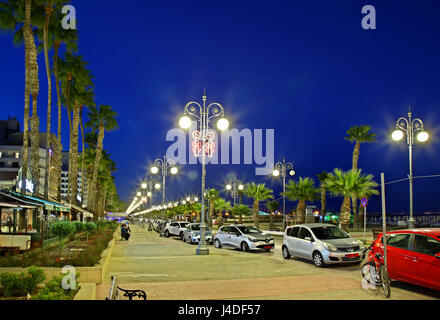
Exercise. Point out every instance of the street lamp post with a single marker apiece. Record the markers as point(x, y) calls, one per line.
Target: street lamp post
point(410, 127)
point(164, 166)
point(283, 167)
point(149, 184)
point(203, 114)
point(234, 186)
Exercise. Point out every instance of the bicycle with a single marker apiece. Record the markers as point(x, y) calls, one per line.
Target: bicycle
point(374, 271)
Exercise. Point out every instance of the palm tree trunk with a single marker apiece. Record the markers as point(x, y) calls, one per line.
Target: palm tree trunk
point(271, 226)
point(35, 121)
point(96, 163)
point(255, 213)
point(323, 202)
point(83, 179)
point(25, 150)
point(355, 168)
point(74, 165)
point(344, 217)
point(60, 147)
point(211, 212)
point(49, 100)
point(301, 212)
point(69, 181)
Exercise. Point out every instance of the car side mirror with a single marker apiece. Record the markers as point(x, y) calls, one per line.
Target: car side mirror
point(437, 255)
point(308, 239)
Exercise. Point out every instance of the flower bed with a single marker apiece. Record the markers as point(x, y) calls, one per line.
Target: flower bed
point(80, 246)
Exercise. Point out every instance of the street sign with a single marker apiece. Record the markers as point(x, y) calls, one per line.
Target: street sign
point(364, 202)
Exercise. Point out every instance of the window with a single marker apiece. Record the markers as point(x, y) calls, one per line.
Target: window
point(248, 229)
point(398, 240)
point(426, 245)
point(234, 230)
point(174, 224)
point(328, 233)
point(304, 233)
point(226, 229)
point(294, 232)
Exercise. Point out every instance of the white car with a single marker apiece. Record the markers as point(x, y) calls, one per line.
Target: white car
point(175, 228)
point(192, 234)
point(322, 243)
point(243, 237)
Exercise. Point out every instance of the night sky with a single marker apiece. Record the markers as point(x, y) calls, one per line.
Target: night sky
point(304, 68)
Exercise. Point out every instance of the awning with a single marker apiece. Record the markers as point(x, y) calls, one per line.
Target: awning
point(10, 201)
point(48, 205)
point(77, 209)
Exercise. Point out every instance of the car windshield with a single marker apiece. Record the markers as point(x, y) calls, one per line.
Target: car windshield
point(183, 225)
point(328, 233)
point(248, 229)
point(195, 227)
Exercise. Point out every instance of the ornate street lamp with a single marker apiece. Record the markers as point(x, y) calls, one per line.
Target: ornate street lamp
point(149, 184)
point(412, 128)
point(234, 186)
point(203, 145)
point(164, 166)
point(282, 168)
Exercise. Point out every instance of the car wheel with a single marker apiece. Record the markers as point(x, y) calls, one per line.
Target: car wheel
point(317, 259)
point(244, 247)
point(286, 254)
point(217, 244)
point(167, 233)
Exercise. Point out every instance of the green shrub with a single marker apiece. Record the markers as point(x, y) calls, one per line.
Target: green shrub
point(62, 229)
point(79, 226)
point(90, 226)
point(18, 285)
point(53, 290)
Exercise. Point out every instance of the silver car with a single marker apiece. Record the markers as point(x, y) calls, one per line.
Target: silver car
point(192, 234)
point(322, 243)
point(243, 237)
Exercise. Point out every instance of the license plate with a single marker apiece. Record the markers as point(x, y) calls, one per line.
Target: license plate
point(352, 255)
point(267, 247)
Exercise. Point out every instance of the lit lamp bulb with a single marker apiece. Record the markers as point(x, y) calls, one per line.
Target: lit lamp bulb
point(228, 187)
point(185, 122)
point(196, 199)
point(240, 187)
point(223, 124)
point(397, 135)
point(157, 186)
point(154, 170)
point(292, 172)
point(188, 198)
point(174, 170)
point(183, 202)
point(423, 136)
point(149, 194)
point(276, 173)
point(144, 185)
point(138, 194)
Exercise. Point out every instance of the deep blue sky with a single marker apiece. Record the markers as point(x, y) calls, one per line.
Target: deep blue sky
point(305, 68)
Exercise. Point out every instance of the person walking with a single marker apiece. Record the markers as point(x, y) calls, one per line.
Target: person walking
point(125, 232)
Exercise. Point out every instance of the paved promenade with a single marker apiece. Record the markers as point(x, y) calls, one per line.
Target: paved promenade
point(168, 269)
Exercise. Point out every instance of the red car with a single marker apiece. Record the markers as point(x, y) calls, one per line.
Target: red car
point(413, 256)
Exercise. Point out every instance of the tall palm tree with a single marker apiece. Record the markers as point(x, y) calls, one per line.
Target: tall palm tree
point(349, 184)
point(322, 177)
point(101, 119)
point(272, 206)
point(221, 206)
point(258, 192)
point(303, 190)
point(15, 17)
point(358, 135)
point(240, 211)
point(211, 195)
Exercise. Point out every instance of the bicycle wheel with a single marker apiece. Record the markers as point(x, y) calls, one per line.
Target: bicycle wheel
point(385, 281)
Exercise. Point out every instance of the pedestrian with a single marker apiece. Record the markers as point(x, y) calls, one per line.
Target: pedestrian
point(125, 232)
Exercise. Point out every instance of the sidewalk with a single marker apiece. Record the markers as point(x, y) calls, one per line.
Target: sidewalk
point(168, 269)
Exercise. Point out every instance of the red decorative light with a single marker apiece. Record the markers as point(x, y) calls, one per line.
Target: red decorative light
point(197, 144)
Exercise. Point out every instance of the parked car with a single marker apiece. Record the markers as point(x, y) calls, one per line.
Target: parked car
point(175, 228)
point(413, 256)
point(192, 234)
point(243, 237)
point(322, 243)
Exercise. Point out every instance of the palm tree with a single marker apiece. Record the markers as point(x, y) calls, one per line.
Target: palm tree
point(258, 193)
point(221, 205)
point(304, 190)
point(16, 17)
point(211, 195)
point(240, 211)
point(348, 185)
point(358, 135)
point(322, 177)
point(272, 206)
point(101, 119)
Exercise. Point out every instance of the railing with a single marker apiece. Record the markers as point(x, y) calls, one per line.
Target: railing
point(114, 292)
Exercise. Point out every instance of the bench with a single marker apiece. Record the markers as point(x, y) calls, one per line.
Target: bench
point(114, 292)
point(15, 242)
